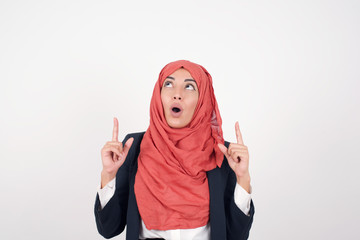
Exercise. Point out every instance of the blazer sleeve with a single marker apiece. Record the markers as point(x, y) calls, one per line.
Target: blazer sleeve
point(111, 220)
point(237, 223)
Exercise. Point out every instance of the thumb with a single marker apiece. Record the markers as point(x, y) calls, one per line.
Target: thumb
point(223, 149)
point(127, 146)
point(125, 151)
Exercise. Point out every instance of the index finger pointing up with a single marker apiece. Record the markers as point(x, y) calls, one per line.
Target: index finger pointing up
point(115, 130)
point(238, 134)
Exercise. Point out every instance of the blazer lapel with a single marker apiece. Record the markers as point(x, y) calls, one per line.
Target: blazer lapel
point(133, 216)
point(217, 211)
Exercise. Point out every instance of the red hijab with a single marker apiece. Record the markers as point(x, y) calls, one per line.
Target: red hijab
point(171, 185)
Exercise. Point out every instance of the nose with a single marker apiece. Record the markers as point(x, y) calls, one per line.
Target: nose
point(177, 94)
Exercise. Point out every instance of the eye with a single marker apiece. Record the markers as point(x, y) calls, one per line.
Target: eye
point(167, 84)
point(190, 87)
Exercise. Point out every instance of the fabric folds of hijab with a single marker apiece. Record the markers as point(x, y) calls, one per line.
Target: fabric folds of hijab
point(171, 185)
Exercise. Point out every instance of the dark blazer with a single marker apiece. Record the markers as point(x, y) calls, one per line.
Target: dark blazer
point(227, 221)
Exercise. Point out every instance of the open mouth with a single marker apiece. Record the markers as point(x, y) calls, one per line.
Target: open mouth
point(175, 109)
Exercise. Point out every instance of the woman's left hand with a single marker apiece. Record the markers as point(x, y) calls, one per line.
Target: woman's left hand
point(238, 158)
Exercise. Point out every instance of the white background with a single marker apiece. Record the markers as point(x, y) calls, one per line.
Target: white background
point(288, 71)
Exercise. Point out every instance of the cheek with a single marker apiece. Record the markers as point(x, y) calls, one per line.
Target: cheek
point(193, 102)
point(163, 98)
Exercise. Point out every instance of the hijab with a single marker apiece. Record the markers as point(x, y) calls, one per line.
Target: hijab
point(171, 186)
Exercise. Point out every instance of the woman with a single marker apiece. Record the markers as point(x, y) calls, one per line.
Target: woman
point(179, 179)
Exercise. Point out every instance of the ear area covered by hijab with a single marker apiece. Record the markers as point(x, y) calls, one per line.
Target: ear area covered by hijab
point(171, 186)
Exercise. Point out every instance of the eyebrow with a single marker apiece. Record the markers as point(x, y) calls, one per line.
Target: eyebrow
point(186, 80)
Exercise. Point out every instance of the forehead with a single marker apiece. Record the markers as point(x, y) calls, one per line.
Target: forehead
point(181, 73)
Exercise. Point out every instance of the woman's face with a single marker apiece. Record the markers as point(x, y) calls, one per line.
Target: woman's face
point(179, 96)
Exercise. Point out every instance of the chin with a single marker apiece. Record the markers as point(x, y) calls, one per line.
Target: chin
point(176, 124)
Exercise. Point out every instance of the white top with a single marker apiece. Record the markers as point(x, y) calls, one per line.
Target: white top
point(241, 197)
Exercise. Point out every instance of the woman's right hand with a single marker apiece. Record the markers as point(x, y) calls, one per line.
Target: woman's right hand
point(113, 155)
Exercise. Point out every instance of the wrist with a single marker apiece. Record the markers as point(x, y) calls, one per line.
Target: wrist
point(244, 181)
point(106, 178)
